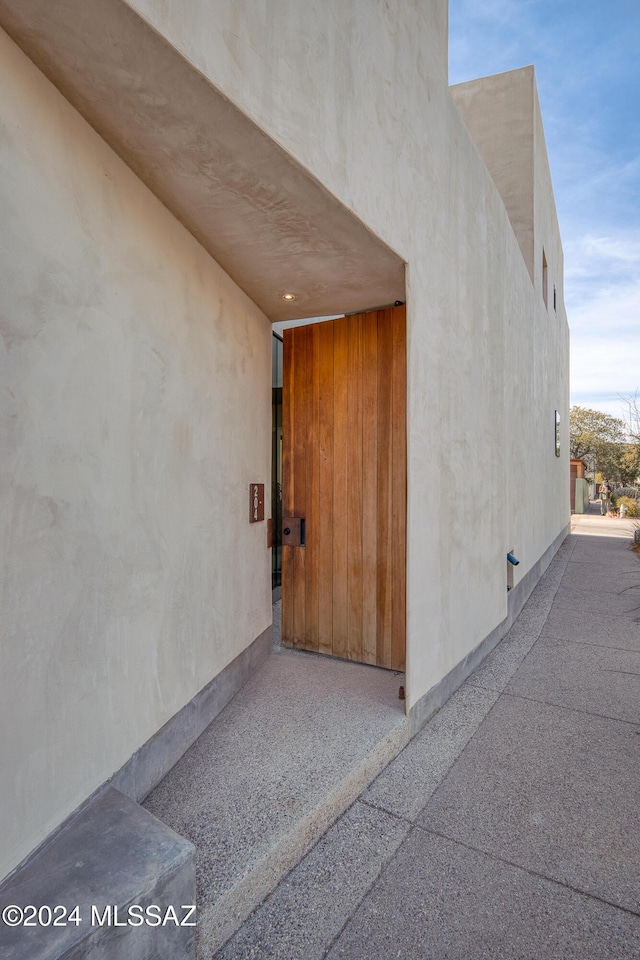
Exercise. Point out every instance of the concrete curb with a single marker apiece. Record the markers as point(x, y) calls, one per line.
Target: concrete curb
point(219, 921)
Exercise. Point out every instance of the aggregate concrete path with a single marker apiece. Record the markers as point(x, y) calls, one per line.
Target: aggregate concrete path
point(509, 827)
point(293, 750)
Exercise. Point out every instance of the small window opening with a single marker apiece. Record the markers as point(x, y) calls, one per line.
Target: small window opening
point(555, 299)
point(545, 279)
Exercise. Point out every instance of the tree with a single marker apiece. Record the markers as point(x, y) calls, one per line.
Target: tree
point(599, 437)
point(630, 463)
point(633, 417)
point(590, 429)
point(631, 459)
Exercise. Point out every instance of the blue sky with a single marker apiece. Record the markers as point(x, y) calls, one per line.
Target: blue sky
point(587, 60)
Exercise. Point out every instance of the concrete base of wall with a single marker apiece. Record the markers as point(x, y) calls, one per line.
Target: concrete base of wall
point(435, 698)
point(151, 763)
point(111, 856)
point(113, 853)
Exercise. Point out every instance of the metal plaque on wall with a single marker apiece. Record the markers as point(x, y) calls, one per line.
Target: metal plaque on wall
point(256, 502)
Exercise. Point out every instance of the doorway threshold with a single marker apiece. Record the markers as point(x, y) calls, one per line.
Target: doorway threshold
point(291, 752)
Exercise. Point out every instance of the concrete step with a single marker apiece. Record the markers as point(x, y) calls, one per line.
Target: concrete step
point(111, 857)
point(297, 745)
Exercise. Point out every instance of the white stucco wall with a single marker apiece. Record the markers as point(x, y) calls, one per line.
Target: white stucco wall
point(502, 114)
point(357, 91)
point(135, 411)
point(498, 112)
point(138, 401)
point(354, 89)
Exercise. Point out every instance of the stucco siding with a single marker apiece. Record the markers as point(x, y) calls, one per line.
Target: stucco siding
point(135, 412)
point(354, 90)
point(498, 113)
point(138, 407)
point(358, 93)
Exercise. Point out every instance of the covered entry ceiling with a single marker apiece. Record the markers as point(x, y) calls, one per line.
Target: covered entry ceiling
point(266, 220)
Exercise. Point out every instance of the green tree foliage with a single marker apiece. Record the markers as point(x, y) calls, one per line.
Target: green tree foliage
point(606, 443)
point(603, 441)
point(630, 463)
point(594, 434)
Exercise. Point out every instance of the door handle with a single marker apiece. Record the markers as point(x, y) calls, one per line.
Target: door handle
point(293, 531)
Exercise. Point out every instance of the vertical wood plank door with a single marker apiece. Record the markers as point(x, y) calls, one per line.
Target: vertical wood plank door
point(345, 473)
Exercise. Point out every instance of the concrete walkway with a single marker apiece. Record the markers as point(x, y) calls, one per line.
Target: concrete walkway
point(509, 827)
point(290, 753)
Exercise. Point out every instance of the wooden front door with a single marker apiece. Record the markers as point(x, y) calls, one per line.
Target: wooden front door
point(344, 476)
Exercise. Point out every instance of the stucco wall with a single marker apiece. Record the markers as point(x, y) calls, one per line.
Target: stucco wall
point(502, 114)
point(498, 112)
point(139, 399)
point(135, 411)
point(357, 91)
point(354, 89)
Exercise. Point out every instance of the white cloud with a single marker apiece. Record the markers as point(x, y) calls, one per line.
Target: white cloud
point(602, 262)
point(590, 113)
point(620, 249)
point(605, 341)
point(613, 405)
point(603, 306)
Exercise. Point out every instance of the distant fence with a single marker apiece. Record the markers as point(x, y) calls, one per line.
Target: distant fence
point(582, 495)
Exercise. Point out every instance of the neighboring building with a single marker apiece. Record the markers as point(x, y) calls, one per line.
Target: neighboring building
point(169, 173)
point(578, 486)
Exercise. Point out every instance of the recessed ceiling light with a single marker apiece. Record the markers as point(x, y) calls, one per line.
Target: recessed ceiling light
point(288, 296)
